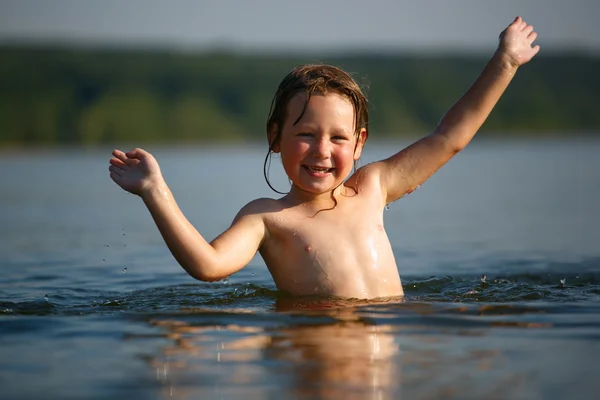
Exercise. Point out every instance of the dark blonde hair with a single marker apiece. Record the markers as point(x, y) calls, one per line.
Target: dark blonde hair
point(309, 79)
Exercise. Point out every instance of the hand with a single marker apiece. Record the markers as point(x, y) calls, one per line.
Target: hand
point(516, 42)
point(136, 171)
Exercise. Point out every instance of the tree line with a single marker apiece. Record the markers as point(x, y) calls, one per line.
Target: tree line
point(58, 95)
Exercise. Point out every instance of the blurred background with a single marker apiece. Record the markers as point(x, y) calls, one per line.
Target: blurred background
point(89, 73)
point(93, 304)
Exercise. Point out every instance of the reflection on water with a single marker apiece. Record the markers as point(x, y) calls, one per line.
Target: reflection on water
point(334, 353)
point(219, 341)
point(349, 356)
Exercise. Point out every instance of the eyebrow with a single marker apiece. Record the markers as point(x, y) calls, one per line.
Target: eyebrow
point(314, 128)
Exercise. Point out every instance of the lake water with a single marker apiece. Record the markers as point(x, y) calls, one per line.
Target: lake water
point(92, 304)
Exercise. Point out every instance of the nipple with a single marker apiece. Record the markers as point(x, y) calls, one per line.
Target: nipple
point(308, 248)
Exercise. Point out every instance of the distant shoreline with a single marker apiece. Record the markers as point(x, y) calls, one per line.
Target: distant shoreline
point(89, 97)
point(480, 138)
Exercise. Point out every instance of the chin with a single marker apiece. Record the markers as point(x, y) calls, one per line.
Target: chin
point(318, 190)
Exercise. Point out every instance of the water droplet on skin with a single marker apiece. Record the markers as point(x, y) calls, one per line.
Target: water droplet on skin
point(124, 270)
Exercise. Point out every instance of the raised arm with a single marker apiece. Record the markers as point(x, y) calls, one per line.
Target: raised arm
point(406, 170)
point(138, 172)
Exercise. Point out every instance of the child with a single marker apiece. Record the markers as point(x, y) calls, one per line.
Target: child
point(325, 237)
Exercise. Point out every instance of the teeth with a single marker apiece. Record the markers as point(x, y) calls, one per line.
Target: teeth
point(316, 169)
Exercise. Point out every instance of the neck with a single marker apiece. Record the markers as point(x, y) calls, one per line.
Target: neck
point(325, 200)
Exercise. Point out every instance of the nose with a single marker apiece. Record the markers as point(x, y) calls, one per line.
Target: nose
point(322, 149)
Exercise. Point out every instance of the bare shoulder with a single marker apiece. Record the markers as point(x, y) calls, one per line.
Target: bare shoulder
point(367, 180)
point(256, 216)
point(259, 208)
point(366, 176)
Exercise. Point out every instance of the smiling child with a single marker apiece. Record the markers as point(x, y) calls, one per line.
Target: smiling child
point(325, 237)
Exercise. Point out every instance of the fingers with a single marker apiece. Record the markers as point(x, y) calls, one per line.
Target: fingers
point(119, 154)
point(522, 25)
point(136, 153)
point(130, 158)
point(116, 162)
point(532, 36)
point(527, 30)
point(519, 23)
point(116, 178)
point(116, 170)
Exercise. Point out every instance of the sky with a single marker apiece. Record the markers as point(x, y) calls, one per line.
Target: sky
point(308, 25)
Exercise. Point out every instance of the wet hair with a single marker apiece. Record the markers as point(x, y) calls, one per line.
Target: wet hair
point(310, 79)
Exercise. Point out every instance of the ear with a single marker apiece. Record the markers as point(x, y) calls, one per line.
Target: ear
point(360, 143)
point(273, 139)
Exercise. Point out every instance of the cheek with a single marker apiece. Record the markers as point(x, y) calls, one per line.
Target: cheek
point(294, 149)
point(346, 155)
point(344, 160)
point(292, 153)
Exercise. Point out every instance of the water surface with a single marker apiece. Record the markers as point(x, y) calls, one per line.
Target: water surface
point(92, 304)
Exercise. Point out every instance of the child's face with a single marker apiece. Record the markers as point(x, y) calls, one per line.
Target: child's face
point(319, 151)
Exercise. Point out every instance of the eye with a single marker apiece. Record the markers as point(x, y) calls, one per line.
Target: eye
point(304, 134)
point(339, 138)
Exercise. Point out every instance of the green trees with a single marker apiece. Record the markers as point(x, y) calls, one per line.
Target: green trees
point(89, 97)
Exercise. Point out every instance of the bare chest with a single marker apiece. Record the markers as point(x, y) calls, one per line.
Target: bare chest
point(342, 251)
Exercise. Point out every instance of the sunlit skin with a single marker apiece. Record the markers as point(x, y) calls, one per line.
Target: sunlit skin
point(326, 237)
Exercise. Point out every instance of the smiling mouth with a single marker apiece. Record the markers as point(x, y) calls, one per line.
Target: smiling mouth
point(318, 170)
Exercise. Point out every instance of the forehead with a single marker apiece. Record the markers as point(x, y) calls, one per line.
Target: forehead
point(331, 107)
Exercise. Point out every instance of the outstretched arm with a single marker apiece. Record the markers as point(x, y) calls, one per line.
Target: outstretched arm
point(406, 170)
point(138, 172)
